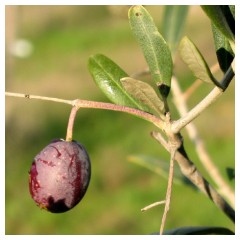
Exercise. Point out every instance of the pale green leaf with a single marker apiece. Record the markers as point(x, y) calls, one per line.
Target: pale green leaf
point(144, 93)
point(173, 23)
point(195, 61)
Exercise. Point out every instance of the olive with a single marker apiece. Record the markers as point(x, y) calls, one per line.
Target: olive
point(59, 176)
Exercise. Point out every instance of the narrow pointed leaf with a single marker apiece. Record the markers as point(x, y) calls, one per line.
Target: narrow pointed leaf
point(195, 61)
point(154, 47)
point(224, 52)
point(107, 75)
point(144, 93)
point(222, 19)
point(174, 16)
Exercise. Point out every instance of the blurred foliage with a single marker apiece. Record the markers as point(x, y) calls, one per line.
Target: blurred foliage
point(63, 38)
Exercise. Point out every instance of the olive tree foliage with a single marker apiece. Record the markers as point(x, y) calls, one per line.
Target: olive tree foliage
point(150, 101)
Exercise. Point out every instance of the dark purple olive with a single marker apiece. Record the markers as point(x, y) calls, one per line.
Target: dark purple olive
point(59, 176)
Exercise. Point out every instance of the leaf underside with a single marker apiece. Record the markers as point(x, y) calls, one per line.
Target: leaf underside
point(144, 93)
point(195, 61)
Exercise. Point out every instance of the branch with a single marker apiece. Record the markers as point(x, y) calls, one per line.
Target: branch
point(180, 103)
point(191, 172)
point(197, 110)
point(206, 102)
point(21, 95)
point(78, 103)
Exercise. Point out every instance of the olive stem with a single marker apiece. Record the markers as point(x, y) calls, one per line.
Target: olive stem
point(71, 124)
point(153, 205)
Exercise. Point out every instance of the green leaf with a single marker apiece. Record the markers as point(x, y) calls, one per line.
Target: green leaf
point(230, 173)
point(173, 23)
point(232, 10)
point(144, 93)
point(224, 51)
point(195, 61)
point(222, 19)
point(199, 231)
point(107, 75)
point(154, 47)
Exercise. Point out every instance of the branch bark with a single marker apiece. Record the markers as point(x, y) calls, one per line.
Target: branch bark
point(180, 103)
point(79, 103)
point(191, 172)
point(197, 110)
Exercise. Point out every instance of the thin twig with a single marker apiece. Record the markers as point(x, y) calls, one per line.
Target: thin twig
point(96, 105)
point(21, 95)
point(180, 103)
point(158, 136)
point(152, 205)
point(206, 102)
point(114, 107)
point(169, 191)
point(197, 110)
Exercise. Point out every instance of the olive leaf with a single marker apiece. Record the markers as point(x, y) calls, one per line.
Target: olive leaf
point(224, 51)
point(144, 93)
point(232, 10)
point(154, 47)
point(195, 61)
point(173, 23)
point(222, 18)
point(107, 75)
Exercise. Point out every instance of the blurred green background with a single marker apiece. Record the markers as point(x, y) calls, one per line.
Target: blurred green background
point(62, 38)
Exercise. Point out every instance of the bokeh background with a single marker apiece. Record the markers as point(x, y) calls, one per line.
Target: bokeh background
point(47, 50)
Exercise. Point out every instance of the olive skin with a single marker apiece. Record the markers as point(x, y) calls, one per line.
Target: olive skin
point(59, 176)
